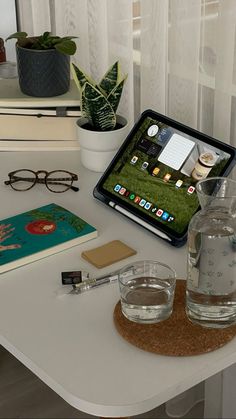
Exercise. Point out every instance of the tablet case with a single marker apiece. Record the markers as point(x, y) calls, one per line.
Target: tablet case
point(151, 149)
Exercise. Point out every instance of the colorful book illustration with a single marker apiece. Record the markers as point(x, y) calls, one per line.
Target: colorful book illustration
point(39, 233)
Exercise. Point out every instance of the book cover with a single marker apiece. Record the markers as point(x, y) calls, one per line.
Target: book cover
point(30, 127)
point(11, 96)
point(31, 145)
point(38, 233)
point(60, 111)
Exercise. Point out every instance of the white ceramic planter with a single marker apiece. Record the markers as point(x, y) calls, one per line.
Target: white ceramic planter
point(97, 148)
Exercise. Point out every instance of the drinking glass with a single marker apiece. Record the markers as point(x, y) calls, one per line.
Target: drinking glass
point(147, 291)
point(211, 278)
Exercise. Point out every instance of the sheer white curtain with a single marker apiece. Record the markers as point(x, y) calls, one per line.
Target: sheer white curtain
point(188, 63)
point(180, 57)
point(185, 66)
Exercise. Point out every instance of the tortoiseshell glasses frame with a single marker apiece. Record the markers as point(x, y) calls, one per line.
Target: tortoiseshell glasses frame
point(56, 181)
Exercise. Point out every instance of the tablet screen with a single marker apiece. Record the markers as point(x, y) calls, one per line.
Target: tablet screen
point(156, 171)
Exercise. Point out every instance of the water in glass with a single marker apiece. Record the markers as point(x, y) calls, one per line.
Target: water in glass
point(147, 299)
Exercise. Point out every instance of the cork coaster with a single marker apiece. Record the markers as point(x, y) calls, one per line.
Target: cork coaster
point(176, 336)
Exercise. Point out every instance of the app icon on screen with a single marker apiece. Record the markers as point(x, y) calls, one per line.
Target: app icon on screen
point(154, 209)
point(155, 171)
point(134, 160)
point(179, 183)
point(171, 218)
point(137, 199)
point(167, 177)
point(147, 206)
point(191, 189)
point(142, 202)
point(159, 212)
point(132, 196)
point(127, 193)
point(144, 165)
point(165, 215)
point(122, 191)
point(117, 187)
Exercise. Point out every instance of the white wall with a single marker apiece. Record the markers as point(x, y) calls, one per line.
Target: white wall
point(8, 26)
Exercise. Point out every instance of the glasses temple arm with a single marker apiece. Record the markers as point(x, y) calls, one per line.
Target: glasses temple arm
point(74, 188)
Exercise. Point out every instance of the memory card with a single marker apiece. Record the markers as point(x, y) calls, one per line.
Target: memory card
point(74, 277)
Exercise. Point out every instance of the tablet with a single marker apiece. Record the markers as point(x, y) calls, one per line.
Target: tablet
point(153, 176)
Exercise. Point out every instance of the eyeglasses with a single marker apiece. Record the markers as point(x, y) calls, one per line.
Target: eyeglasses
point(56, 181)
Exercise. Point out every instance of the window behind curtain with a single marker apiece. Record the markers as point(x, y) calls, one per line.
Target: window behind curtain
point(8, 25)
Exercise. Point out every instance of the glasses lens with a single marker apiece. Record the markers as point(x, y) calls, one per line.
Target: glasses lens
point(22, 180)
point(59, 181)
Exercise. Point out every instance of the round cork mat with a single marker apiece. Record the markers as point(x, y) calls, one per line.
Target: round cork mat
point(175, 336)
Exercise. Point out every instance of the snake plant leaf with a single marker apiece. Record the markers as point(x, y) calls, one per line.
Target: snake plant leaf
point(111, 78)
point(80, 77)
point(97, 109)
point(115, 95)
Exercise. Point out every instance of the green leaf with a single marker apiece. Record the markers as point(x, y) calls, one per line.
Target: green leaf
point(68, 38)
point(55, 39)
point(115, 95)
point(46, 35)
point(97, 109)
point(80, 77)
point(66, 47)
point(17, 35)
point(111, 78)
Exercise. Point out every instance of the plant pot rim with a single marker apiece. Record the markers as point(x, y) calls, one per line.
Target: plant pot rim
point(119, 119)
point(101, 140)
point(38, 50)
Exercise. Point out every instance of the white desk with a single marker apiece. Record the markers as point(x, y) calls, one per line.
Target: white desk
point(71, 342)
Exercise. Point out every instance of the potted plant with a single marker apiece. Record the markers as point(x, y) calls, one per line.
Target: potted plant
point(100, 130)
point(43, 63)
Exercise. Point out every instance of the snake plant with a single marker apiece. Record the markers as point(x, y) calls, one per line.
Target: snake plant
point(99, 102)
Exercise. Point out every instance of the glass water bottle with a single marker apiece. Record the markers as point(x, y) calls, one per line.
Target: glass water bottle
point(211, 277)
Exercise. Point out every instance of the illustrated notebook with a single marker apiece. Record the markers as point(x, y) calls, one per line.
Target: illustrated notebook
point(39, 233)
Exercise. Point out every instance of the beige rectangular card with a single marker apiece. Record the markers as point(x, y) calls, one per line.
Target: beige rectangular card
point(108, 253)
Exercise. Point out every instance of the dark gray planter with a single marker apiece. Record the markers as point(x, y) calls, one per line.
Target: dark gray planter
point(43, 73)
